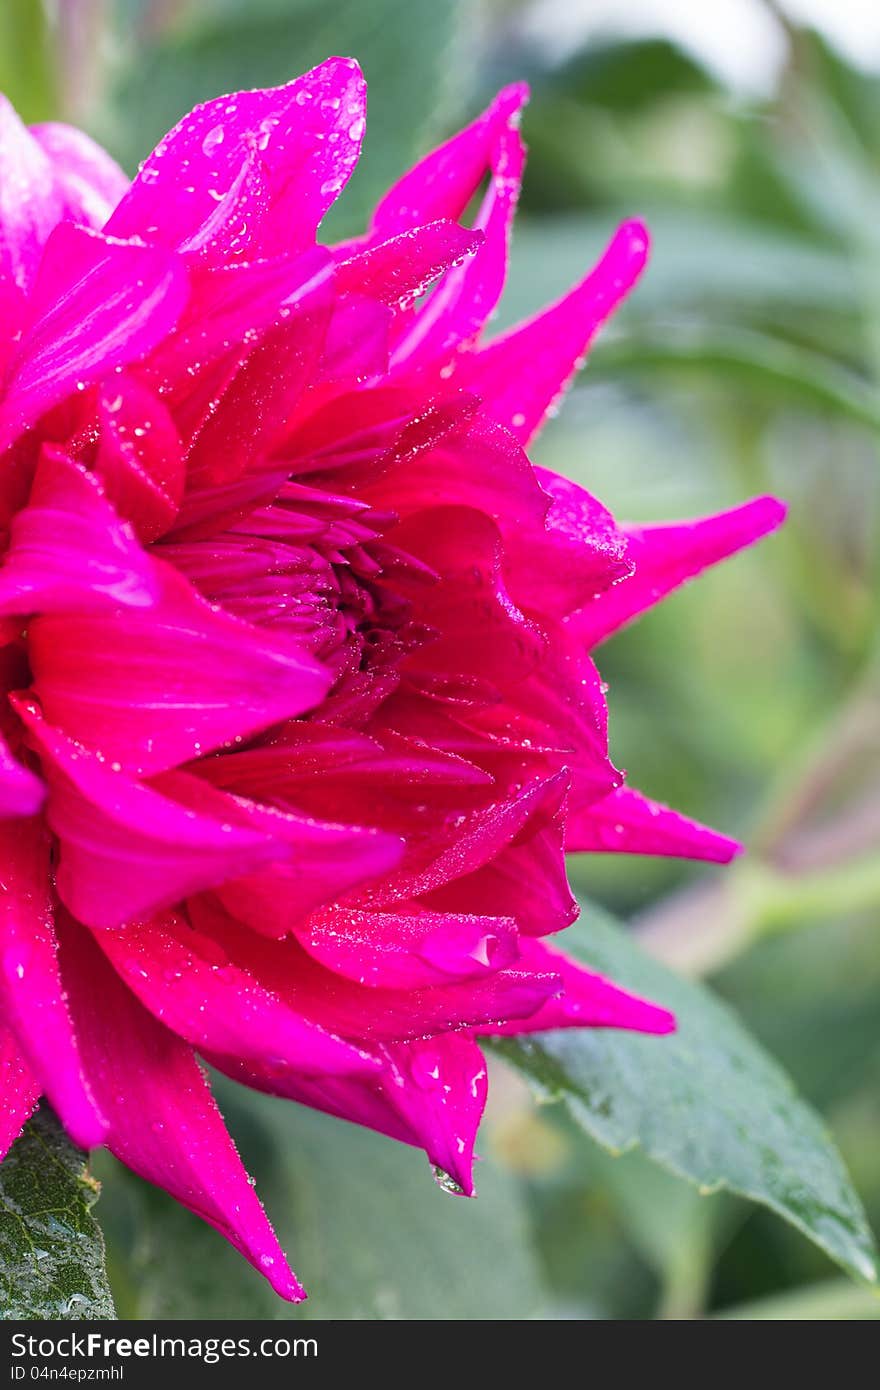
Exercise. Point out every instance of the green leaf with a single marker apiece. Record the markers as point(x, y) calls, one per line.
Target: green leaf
point(51, 1248)
point(366, 1229)
point(221, 47)
point(631, 76)
point(707, 1103)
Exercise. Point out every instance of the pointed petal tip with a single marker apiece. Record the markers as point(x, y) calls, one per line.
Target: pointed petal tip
point(659, 1021)
point(87, 1131)
point(770, 512)
point(283, 1280)
point(511, 99)
point(633, 236)
point(727, 849)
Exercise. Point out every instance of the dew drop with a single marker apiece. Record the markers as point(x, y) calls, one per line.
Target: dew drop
point(446, 1182)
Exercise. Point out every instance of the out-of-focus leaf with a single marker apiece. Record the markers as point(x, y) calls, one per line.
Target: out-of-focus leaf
point(27, 70)
point(776, 369)
point(218, 47)
point(706, 1102)
point(855, 93)
point(51, 1248)
point(699, 261)
point(631, 76)
point(834, 1300)
point(368, 1232)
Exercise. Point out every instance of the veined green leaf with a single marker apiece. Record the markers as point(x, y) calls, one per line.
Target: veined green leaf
point(51, 1248)
point(706, 1102)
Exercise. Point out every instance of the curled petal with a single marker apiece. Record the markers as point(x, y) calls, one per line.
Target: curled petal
point(125, 850)
point(626, 822)
point(460, 307)
point(666, 556)
point(21, 793)
point(443, 183)
point(31, 202)
point(586, 1000)
point(293, 170)
point(430, 1093)
point(520, 375)
point(151, 688)
point(162, 1120)
point(360, 1012)
point(140, 459)
point(402, 267)
point(525, 878)
point(68, 551)
point(400, 950)
point(97, 304)
point(31, 991)
point(19, 1092)
point(188, 982)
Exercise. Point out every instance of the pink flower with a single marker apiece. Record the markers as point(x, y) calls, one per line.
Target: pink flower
point(300, 715)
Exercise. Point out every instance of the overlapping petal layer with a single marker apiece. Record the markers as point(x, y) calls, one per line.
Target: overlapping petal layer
point(299, 715)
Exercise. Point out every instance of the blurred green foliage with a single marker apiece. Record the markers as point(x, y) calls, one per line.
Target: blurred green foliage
point(747, 360)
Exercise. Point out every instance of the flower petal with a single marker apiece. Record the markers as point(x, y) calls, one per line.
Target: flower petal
point(126, 851)
point(90, 182)
point(33, 997)
point(19, 1092)
point(152, 688)
point(666, 556)
point(31, 203)
point(626, 822)
point(140, 459)
point(96, 305)
point(443, 183)
point(430, 1093)
point(458, 310)
point(68, 551)
point(520, 375)
point(21, 793)
point(400, 950)
point(587, 1000)
point(163, 1122)
point(360, 1012)
point(185, 980)
point(402, 266)
point(284, 131)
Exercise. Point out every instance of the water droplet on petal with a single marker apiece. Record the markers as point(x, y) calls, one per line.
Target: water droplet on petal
point(446, 1182)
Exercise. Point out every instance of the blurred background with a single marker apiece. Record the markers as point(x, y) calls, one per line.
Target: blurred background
point(747, 133)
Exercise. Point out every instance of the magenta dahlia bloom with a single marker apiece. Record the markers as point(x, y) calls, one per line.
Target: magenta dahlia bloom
point(299, 711)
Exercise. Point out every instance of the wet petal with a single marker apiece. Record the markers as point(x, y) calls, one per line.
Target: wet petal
point(626, 822)
point(587, 1000)
point(163, 1122)
point(31, 203)
point(521, 375)
point(96, 305)
point(282, 132)
point(185, 980)
point(151, 688)
point(33, 998)
point(668, 555)
point(68, 551)
point(19, 1092)
point(360, 1012)
point(443, 183)
point(125, 850)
